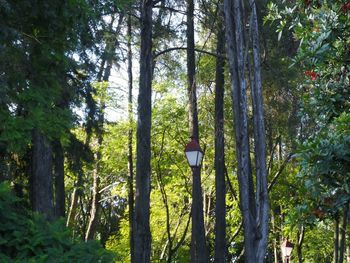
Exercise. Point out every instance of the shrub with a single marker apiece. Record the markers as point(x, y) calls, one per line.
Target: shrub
point(28, 237)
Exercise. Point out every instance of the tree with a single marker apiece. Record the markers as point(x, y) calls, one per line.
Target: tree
point(60, 196)
point(198, 247)
point(220, 186)
point(142, 236)
point(41, 180)
point(101, 92)
point(254, 204)
point(321, 54)
point(130, 142)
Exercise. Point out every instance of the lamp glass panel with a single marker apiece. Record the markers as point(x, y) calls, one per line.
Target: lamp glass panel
point(288, 251)
point(192, 158)
point(199, 158)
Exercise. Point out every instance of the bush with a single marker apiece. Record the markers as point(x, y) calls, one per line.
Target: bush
point(27, 237)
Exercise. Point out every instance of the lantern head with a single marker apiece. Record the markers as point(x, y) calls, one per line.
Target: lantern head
point(194, 153)
point(286, 248)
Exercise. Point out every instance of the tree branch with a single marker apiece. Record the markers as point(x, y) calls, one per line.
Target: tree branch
point(170, 9)
point(280, 170)
point(184, 233)
point(234, 194)
point(185, 48)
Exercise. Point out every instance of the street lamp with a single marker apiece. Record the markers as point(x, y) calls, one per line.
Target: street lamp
point(194, 153)
point(286, 248)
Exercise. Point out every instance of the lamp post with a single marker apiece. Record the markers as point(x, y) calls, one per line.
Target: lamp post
point(194, 155)
point(286, 249)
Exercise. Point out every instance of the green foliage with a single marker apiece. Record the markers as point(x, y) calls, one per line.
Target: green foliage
point(317, 246)
point(30, 238)
point(119, 244)
point(45, 66)
point(321, 30)
point(171, 178)
point(325, 165)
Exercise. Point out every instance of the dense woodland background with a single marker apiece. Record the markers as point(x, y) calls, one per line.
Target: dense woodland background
point(99, 98)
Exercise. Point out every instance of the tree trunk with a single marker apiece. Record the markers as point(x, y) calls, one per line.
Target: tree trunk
point(142, 235)
point(41, 179)
point(198, 246)
point(343, 234)
point(262, 202)
point(59, 180)
point(95, 206)
point(96, 195)
point(102, 75)
point(76, 194)
point(220, 187)
point(191, 73)
point(130, 152)
point(336, 240)
point(254, 205)
point(235, 44)
point(78, 185)
point(300, 236)
point(276, 239)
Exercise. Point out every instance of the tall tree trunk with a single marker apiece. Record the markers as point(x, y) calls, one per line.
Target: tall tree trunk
point(198, 246)
point(191, 73)
point(254, 206)
point(336, 240)
point(300, 236)
point(59, 179)
point(78, 185)
point(340, 235)
point(94, 211)
point(262, 202)
point(91, 123)
point(96, 195)
point(343, 233)
point(130, 141)
point(76, 194)
point(276, 239)
point(142, 236)
point(347, 251)
point(220, 187)
point(235, 44)
point(41, 179)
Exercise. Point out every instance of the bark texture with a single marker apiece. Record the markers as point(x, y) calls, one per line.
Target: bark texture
point(341, 223)
point(254, 204)
point(59, 180)
point(262, 202)
point(42, 178)
point(299, 245)
point(220, 187)
point(198, 246)
point(191, 72)
point(142, 236)
point(94, 211)
point(130, 141)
